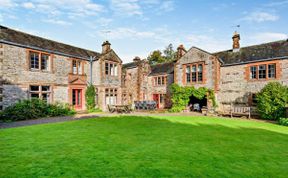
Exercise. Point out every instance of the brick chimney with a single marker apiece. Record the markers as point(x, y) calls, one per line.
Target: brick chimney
point(236, 42)
point(180, 51)
point(136, 59)
point(106, 47)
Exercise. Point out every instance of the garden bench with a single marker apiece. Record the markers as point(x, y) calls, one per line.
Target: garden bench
point(240, 111)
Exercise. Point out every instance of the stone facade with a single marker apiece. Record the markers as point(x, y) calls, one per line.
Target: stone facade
point(67, 73)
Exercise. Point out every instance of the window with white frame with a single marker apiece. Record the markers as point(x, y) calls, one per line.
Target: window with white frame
point(77, 68)
point(160, 80)
point(263, 71)
point(41, 92)
point(111, 96)
point(39, 61)
point(111, 69)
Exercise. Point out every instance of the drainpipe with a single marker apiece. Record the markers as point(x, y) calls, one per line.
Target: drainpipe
point(91, 60)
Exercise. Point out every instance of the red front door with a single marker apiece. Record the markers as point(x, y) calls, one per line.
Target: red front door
point(156, 98)
point(77, 98)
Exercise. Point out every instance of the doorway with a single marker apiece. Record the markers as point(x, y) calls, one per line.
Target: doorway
point(77, 98)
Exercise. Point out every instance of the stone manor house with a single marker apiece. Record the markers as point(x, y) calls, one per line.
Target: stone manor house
point(34, 67)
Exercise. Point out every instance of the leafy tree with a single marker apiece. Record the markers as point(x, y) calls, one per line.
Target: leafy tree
point(271, 101)
point(169, 53)
point(90, 97)
point(156, 57)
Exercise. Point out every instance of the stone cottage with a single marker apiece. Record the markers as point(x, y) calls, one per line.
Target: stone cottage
point(34, 67)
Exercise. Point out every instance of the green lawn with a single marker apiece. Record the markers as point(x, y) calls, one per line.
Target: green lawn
point(145, 147)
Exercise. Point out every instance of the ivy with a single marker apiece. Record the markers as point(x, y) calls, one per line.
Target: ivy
point(90, 97)
point(181, 96)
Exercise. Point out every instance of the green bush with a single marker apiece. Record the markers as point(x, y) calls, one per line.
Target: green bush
point(180, 96)
point(271, 101)
point(90, 97)
point(33, 109)
point(94, 110)
point(283, 121)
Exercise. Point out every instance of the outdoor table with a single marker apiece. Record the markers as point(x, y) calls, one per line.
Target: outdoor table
point(122, 108)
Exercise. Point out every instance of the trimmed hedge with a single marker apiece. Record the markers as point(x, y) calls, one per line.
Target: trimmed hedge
point(90, 97)
point(34, 109)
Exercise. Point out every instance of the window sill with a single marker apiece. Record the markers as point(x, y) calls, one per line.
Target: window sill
point(38, 70)
point(262, 80)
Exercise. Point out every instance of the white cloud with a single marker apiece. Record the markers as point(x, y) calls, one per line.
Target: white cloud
point(28, 5)
point(207, 43)
point(167, 6)
point(260, 17)
point(68, 7)
point(277, 3)
point(266, 37)
point(7, 3)
point(57, 22)
point(126, 7)
point(124, 33)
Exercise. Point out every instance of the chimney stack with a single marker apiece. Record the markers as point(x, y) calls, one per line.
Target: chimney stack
point(180, 51)
point(105, 47)
point(236, 42)
point(136, 59)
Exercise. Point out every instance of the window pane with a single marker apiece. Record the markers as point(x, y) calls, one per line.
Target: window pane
point(34, 60)
point(34, 88)
point(262, 71)
point(200, 69)
point(106, 68)
point(159, 80)
point(1, 90)
point(188, 70)
point(194, 68)
point(74, 64)
point(44, 62)
point(111, 70)
point(46, 97)
point(253, 72)
point(1, 98)
point(194, 73)
point(271, 70)
point(45, 88)
point(34, 95)
point(79, 67)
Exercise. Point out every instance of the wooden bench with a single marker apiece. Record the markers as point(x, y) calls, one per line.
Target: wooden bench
point(240, 111)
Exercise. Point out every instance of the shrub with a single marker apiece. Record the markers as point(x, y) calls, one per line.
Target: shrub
point(181, 95)
point(90, 97)
point(283, 121)
point(94, 110)
point(33, 109)
point(271, 101)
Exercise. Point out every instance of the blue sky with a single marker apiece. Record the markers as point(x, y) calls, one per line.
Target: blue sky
point(139, 26)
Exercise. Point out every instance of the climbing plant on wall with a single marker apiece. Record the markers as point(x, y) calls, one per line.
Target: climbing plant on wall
point(180, 96)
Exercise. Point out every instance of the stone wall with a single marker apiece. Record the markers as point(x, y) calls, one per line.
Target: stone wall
point(195, 55)
point(18, 76)
point(236, 89)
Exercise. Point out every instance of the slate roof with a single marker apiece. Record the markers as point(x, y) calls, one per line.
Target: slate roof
point(163, 68)
point(130, 65)
point(21, 39)
point(261, 52)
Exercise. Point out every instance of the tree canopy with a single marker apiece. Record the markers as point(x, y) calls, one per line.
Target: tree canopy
point(158, 56)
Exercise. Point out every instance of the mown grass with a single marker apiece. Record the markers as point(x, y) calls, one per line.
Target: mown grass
point(145, 147)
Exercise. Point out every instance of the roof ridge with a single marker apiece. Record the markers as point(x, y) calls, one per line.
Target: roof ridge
point(249, 46)
point(18, 31)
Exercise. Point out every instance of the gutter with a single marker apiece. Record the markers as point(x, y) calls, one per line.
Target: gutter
point(44, 50)
point(259, 60)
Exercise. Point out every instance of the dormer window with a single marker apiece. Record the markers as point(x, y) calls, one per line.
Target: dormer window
point(111, 69)
point(77, 67)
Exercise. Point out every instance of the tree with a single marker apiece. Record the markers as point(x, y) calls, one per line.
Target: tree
point(156, 57)
point(90, 97)
point(271, 101)
point(169, 53)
